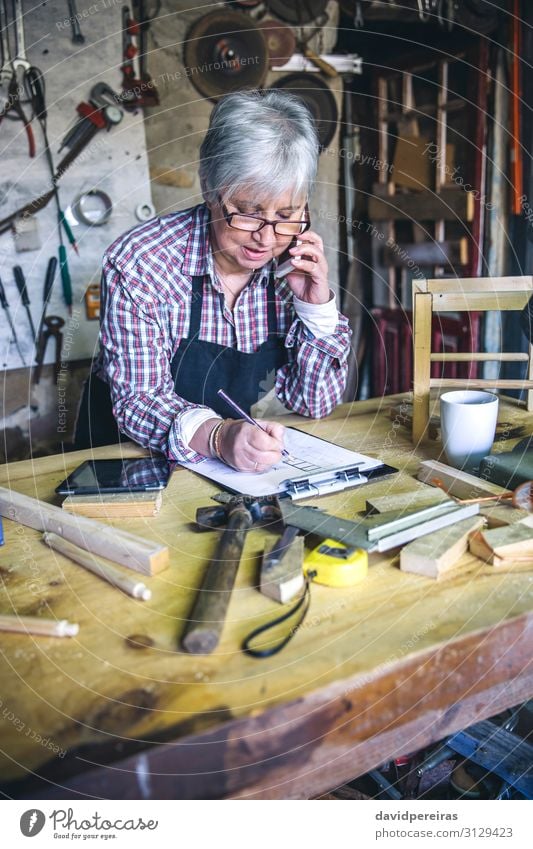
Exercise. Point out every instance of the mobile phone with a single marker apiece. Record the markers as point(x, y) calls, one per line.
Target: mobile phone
point(285, 265)
point(127, 475)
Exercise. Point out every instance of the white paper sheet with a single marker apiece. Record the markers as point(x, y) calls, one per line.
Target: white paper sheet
point(310, 457)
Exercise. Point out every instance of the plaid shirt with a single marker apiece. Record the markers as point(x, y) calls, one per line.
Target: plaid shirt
point(146, 295)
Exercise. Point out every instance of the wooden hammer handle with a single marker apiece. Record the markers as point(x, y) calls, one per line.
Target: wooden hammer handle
point(206, 621)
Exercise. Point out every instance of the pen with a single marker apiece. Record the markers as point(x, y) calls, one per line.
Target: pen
point(245, 416)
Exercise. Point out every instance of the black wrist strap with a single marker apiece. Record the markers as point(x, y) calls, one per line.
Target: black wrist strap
point(303, 602)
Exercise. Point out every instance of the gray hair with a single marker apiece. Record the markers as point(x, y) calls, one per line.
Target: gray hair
point(265, 140)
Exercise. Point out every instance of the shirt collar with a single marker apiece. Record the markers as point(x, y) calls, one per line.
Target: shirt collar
point(198, 258)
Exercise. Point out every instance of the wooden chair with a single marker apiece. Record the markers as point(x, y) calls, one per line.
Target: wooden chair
point(462, 295)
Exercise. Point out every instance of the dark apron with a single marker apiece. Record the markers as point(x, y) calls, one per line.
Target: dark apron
point(199, 370)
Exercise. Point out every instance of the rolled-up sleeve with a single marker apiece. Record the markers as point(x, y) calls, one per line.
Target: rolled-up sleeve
point(313, 381)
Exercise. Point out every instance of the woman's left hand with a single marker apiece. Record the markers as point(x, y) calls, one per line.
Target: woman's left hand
point(309, 281)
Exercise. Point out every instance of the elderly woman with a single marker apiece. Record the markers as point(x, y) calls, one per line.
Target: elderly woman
point(191, 304)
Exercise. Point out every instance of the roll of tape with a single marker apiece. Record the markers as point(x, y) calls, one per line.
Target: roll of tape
point(93, 208)
point(144, 211)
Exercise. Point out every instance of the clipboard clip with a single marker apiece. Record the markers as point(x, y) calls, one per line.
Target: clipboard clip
point(311, 485)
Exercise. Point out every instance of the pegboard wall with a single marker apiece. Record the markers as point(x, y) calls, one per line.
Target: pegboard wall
point(114, 162)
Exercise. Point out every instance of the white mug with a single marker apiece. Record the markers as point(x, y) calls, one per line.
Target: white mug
point(468, 424)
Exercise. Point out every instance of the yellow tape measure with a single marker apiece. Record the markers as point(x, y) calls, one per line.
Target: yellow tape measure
point(336, 565)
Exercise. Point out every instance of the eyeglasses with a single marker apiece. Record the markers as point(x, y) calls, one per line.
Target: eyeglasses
point(254, 223)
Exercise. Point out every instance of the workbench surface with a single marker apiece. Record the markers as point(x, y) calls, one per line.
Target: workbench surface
point(377, 670)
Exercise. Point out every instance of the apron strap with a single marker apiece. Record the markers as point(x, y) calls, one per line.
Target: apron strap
point(197, 294)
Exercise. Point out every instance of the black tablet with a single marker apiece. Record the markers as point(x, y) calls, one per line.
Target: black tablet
point(128, 475)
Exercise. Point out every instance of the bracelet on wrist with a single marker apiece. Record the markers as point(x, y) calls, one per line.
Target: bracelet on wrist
point(211, 440)
point(217, 437)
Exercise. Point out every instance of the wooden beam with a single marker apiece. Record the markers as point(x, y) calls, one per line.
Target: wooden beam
point(468, 383)
point(479, 301)
point(457, 483)
point(129, 550)
point(467, 285)
point(114, 505)
point(479, 358)
point(450, 205)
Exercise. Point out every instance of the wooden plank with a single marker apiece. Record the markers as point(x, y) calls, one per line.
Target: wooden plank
point(471, 285)
point(408, 501)
point(457, 483)
point(422, 365)
point(119, 546)
point(114, 505)
point(436, 554)
point(515, 541)
point(452, 253)
point(450, 205)
point(479, 357)
point(480, 301)
point(529, 393)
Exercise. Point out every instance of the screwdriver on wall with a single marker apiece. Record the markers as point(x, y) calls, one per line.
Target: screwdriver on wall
point(20, 280)
point(47, 291)
point(5, 307)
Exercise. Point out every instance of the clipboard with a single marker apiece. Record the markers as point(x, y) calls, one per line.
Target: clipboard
point(315, 467)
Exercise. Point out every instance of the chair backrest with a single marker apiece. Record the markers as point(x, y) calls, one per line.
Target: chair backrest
point(467, 294)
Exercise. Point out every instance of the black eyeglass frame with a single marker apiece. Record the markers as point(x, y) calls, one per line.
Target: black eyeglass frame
point(229, 215)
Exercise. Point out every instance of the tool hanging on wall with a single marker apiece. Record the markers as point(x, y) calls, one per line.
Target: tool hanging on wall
point(74, 16)
point(13, 107)
point(280, 40)
point(309, 53)
point(20, 280)
point(47, 291)
point(318, 98)
point(52, 327)
point(98, 118)
point(5, 306)
point(225, 51)
point(138, 90)
point(35, 86)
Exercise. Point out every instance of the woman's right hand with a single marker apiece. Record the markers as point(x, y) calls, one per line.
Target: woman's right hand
point(248, 448)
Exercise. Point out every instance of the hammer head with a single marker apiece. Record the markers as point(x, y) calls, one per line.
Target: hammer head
point(264, 509)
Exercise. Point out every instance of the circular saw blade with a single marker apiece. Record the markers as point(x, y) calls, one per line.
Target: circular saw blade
point(319, 100)
point(298, 12)
point(225, 52)
point(280, 40)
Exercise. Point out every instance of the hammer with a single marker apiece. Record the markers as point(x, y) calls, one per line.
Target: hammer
point(204, 627)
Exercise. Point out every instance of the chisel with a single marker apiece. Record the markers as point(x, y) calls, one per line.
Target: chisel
point(5, 306)
point(23, 291)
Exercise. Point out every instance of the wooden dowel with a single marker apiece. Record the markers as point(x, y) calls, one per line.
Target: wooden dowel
point(102, 570)
point(41, 627)
point(467, 383)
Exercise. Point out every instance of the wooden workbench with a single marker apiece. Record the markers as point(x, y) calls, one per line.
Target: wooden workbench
point(377, 670)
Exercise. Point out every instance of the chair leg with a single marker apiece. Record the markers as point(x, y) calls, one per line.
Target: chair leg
point(422, 364)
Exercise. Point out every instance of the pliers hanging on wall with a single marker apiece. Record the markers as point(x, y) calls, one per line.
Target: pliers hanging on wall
point(14, 105)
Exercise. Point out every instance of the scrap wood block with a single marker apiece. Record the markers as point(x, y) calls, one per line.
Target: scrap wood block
point(509, 546)
point(501, 514)
point(456, 482)
point(415, 499)
point(114, 505)
point(436, 554)
point(284, 578)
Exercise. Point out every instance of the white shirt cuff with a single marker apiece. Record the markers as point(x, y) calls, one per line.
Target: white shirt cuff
point(320, 319)
point(191, 420)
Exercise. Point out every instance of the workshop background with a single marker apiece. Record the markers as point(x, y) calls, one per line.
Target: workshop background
point(424, 115)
